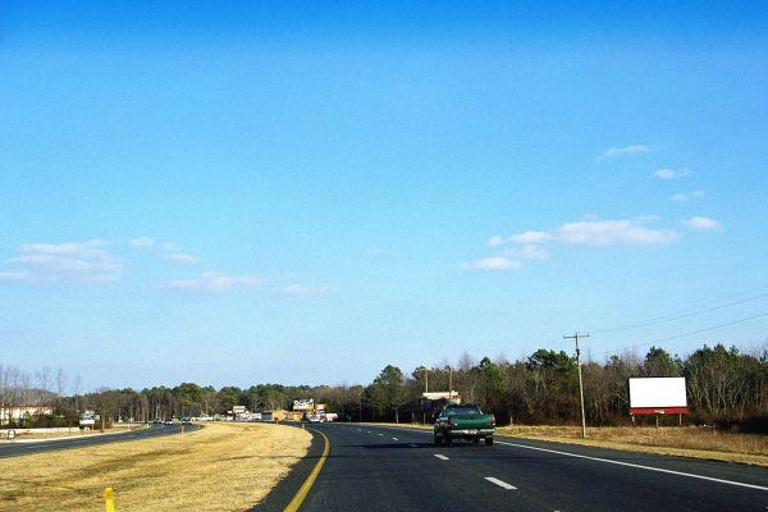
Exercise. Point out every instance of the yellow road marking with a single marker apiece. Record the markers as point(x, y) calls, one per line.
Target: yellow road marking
point(298, 500)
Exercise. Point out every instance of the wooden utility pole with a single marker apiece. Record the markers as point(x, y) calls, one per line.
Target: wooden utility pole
point(575, 336)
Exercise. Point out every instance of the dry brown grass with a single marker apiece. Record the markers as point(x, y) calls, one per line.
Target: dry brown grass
point(697, 442)
point(223, 467)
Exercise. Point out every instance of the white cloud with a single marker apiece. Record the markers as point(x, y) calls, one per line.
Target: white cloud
point(672, 174)
point(168, 251)
point(597, 233)
point(632, 149)
point(17, 277)
point(169, 247)
point(683, 198)
point(143, 242)
point(182, 258)
point(496, 241)
point(297, 291)
point(529, 252)
point(703, 224)
point(527, 237)
point(216, 282)
point(530, 237)
point(613, 232)
point(493, 263)
point(73, 261)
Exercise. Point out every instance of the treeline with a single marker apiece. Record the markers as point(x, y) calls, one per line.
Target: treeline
point(725, 386)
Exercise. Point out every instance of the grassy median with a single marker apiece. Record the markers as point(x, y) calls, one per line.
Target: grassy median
point(222, 467)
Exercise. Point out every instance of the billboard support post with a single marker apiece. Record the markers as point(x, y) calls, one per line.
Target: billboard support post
point(575, 336)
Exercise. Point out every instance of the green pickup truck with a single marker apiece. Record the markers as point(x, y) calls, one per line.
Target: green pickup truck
point(464, 422)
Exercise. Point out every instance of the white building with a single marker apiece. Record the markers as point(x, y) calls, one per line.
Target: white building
point(18, 412)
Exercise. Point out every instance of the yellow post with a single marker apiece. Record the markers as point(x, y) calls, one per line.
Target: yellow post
point(109, 500)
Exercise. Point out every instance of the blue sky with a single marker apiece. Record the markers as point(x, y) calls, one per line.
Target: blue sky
point(305, 193)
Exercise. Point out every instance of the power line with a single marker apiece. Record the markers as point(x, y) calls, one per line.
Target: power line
point(688, 314)
point(691, 333)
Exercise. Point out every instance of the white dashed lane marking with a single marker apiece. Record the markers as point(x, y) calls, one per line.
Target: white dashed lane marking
point(395, 439)
point(441, 457)
point(638, 466)
point(413, 445)
point(501, 483)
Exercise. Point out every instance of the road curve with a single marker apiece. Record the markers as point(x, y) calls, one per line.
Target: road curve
point(387, 469)
point(16, 449)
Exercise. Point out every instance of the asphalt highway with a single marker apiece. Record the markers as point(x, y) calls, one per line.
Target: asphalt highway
point(385, 469)
point(14, 449)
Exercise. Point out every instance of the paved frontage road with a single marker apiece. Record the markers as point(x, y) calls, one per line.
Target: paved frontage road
point(14, 449)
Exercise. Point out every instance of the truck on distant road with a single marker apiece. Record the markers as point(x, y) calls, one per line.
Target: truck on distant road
point(464, 422)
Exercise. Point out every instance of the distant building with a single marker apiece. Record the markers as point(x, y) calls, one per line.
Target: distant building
point(449, 396)
point(18, 412)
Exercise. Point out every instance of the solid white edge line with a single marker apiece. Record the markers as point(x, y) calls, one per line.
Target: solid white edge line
point(628, 464)
point(441, 456)
point(501, 483)
point(638, 466)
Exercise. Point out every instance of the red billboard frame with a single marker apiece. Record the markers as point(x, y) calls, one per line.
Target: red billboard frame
point(652, 411)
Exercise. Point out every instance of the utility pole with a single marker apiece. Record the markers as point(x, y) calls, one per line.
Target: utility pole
point(575, 336)
point(426, 380)
point(450, 384)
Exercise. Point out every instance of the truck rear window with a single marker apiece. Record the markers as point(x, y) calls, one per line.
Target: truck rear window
point(463, 409)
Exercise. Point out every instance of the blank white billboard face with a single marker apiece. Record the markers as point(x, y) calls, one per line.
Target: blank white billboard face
point(657, 392)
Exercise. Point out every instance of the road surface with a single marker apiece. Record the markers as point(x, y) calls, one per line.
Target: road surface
point(385, 469)
point(26, 448)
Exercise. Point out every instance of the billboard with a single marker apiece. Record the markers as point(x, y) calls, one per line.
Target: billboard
point(304, 404)
point(657, 395)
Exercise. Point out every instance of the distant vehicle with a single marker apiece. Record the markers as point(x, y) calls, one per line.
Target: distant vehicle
point(314, 418)
point(185, 420)
point(464, 422)
point(168, 422)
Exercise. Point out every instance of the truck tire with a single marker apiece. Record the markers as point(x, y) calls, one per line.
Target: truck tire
point(447, 441)
point(489, 441)
point(437, 440)
point(475, 441)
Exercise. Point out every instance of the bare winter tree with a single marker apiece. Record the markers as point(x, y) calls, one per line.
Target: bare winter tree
point(44, 381)
point(76, 391)
point(61, 383)
point(465, 367)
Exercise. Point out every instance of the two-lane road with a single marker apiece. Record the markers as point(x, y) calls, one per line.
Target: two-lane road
point(385, 469)
point(14, 449)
